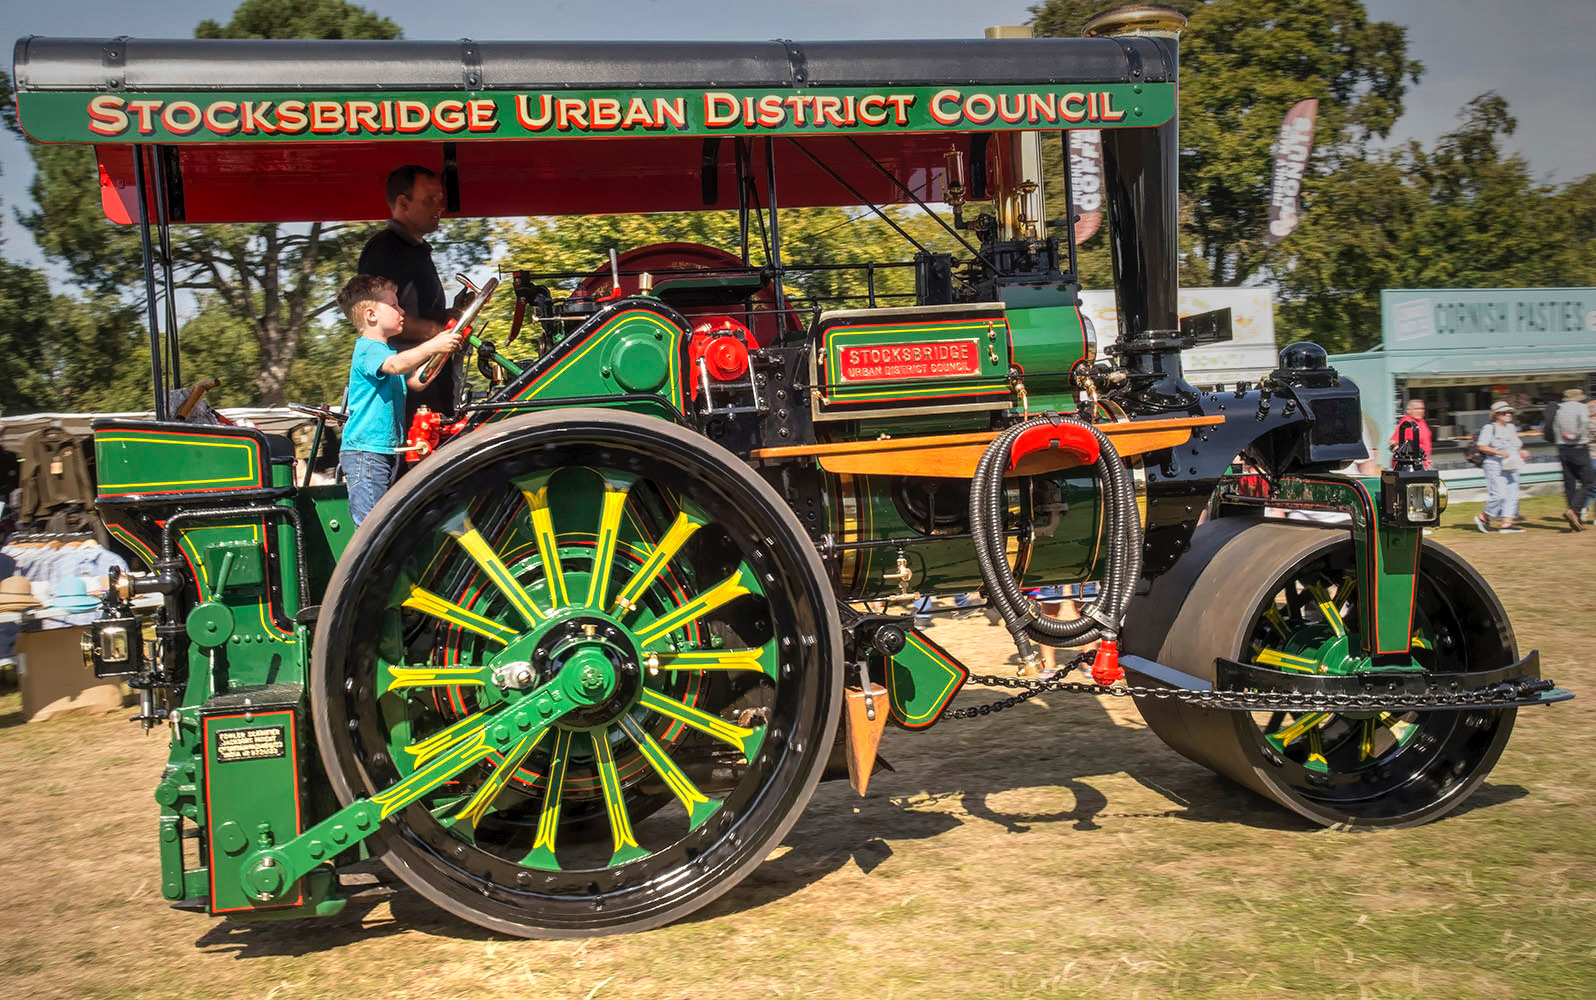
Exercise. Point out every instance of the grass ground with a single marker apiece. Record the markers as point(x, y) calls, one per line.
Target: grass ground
point(1057, 850)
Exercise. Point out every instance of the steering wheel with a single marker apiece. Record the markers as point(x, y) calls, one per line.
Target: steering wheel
point(319, 412)
point(468, 315)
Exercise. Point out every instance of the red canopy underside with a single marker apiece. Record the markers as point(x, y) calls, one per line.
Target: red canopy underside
point(337, 181)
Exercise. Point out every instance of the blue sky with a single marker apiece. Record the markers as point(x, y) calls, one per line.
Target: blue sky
point(1536, 53)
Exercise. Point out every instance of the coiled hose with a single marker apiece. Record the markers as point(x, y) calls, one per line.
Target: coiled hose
point(1024, 619)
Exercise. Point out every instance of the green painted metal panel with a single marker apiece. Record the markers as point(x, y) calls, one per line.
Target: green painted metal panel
point(1066, 507)
point(252, 789)
point(1387, 558)
point(921, 679)
point(256, 116)
point(636, 351)
point(1048, 340)
point(324, 510)
point(162, 460)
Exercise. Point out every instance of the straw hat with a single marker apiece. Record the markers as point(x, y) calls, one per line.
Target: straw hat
point(71, 595)
point(16, 594)
point(1501, 406)
point(1573, 395)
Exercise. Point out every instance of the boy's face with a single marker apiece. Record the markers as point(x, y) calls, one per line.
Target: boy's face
point(384, 314)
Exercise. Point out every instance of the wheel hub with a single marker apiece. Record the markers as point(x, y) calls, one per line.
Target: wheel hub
point(603, 658)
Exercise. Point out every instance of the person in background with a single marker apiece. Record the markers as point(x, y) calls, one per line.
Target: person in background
point(1572, 427)
point(1413, 417)
point(1504, 458)
point(1590, 436)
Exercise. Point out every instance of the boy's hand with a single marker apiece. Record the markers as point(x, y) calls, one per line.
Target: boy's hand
point(446, 342)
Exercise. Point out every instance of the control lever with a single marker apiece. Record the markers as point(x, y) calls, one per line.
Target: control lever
point(463, 324)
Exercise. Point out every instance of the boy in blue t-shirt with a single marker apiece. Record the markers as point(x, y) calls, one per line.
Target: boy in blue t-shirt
point(378, 375)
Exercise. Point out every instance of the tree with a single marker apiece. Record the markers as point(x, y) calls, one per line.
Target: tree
point(275, 282)
point(1461, 214)
point(808, 236)
point(300, 19)
point(1243, 64)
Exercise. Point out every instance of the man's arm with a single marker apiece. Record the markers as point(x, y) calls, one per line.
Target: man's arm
point(417, 331)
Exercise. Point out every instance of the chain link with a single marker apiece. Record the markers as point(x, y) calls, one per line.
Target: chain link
point(1507, 693)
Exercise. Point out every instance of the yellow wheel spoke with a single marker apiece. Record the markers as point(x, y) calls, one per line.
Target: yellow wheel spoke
point(1295, 731)
point(1275, 618)
point(1286, 661)
point(746, 740)
point(604, 553)
point(542, 853)
point(537, 502)
point(728, 589)
point(761, 659)
point(470, 746)
point(1366, 739)
point(442, 740)
point(626, 846)
point(1399, 729)
point(395, 678)
point(428, 603)
point(495, 782)
point(656, 562)
point(1316, 760)
point(699, 807)
point(1332, 617)
point(1344, 589)
point(489, 562)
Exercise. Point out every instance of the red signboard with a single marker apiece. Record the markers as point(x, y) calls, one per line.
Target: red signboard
point(890, 362)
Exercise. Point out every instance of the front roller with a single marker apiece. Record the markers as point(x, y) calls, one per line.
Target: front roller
point(1282, 595)
point(587, 666)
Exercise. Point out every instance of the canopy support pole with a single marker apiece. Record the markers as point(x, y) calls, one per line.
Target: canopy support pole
point(775, 230)
point(141, 191)
point(164, 228)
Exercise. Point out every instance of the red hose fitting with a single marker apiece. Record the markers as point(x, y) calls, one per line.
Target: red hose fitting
point(1072, 443)
point(1105, 666)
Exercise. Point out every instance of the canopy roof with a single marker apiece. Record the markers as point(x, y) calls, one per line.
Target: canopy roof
point(292, 131)
point(207, 65)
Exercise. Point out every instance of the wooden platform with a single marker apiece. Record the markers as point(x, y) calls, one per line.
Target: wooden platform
point(954, 456)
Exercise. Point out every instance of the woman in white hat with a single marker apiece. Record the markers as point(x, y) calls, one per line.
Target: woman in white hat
point(1504, 457)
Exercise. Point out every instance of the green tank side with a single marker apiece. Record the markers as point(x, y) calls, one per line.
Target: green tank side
point(1050, 338)
point(1063, 545)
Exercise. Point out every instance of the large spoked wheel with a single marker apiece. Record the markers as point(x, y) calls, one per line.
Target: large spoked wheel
point(1285, 596)
point(652, 569)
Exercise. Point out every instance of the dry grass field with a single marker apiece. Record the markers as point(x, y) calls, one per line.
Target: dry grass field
point(1056, 850)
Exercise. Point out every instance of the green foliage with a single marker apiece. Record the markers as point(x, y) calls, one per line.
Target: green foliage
point(809, 236)
point(69, 224)
point(1243, 65)
point(270, 284)
point(1463, 214)
point(8, 105)
point(300, 19)
point(61, 354)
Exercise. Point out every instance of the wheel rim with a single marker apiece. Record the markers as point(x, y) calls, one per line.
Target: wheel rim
point(652, 570)
point(1374, 768)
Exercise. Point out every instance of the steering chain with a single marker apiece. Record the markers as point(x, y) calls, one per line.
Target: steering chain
point(1506, 694)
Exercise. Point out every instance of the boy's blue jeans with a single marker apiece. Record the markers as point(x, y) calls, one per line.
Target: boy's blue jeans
point(369, 475)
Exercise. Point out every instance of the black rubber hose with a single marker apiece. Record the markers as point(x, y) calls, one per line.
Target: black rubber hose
point(1022, 615)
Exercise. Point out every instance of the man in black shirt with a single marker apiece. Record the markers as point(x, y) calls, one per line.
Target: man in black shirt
point(398, 253)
